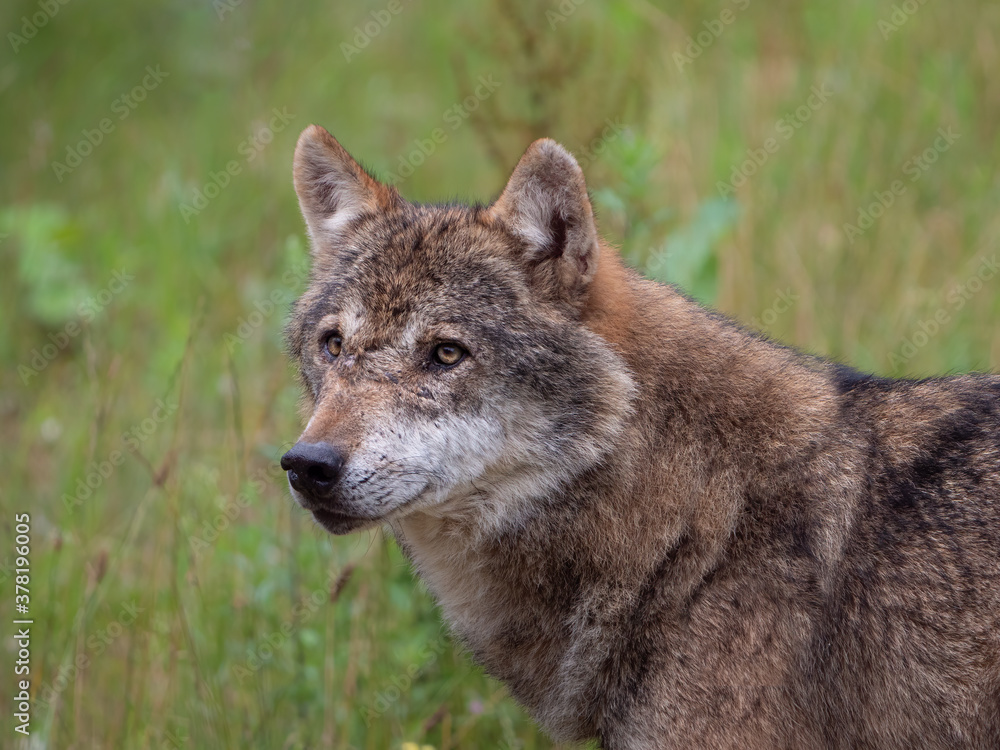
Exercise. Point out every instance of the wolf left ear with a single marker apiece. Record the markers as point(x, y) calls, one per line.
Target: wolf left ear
point(545, 204)
point(333, 188)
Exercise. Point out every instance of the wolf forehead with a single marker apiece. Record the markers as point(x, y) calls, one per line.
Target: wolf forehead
point(448, 264)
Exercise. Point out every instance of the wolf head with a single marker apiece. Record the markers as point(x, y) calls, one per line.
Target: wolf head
point(444, 351)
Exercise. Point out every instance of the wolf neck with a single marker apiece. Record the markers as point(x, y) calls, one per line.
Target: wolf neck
point(716, 406)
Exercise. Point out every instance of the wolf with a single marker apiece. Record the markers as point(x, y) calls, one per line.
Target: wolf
point(659, 529)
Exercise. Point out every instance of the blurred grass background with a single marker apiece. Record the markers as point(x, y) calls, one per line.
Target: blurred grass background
point(180, 599)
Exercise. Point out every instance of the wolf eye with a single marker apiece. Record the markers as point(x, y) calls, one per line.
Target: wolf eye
point(448, 354)
point(333, 344)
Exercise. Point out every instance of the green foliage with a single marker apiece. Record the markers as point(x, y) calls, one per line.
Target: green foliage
point(688, 257)
point(181, 185)
point(48, 263)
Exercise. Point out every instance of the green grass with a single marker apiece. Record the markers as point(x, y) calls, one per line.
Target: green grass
point(257, 637)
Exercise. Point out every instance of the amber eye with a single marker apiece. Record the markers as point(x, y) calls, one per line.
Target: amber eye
point(448, 354)
point(333, 344)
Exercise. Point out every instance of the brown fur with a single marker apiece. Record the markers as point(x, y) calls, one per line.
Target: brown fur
point(663, 531)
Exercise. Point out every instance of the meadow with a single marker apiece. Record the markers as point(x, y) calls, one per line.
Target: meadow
point(824, 172)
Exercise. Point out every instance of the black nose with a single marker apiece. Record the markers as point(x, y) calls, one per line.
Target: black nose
point(313, 468)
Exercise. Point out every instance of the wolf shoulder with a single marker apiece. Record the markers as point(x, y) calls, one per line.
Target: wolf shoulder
point(932, 450)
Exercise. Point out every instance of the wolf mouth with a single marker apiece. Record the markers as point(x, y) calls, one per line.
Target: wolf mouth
point(336, 522)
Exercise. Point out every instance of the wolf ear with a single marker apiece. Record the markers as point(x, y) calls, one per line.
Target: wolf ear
point(545, 204)
point(333, 189)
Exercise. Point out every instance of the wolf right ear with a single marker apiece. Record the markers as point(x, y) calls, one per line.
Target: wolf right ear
point(545, 205)
point(333, 188)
